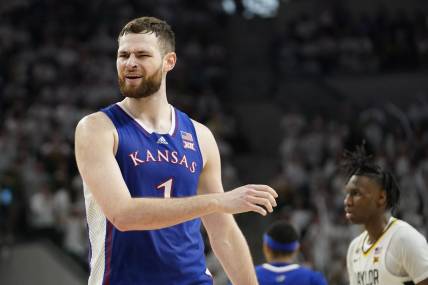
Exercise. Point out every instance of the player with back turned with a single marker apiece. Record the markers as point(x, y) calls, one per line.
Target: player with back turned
point(389, 251)
point(280, 248)
point(151, 175)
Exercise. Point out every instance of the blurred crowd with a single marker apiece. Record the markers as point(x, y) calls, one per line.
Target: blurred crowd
point(57, 64)
point(337, 41)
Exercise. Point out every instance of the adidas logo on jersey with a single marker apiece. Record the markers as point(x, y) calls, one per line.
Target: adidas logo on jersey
point(162, 140)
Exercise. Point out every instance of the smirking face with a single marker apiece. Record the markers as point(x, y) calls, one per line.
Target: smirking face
point(139, 65)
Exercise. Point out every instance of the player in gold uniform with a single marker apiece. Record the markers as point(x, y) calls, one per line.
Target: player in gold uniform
point(389, 251)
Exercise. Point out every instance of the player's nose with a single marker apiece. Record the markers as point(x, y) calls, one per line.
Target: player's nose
point(131, 62)
point(347, 201)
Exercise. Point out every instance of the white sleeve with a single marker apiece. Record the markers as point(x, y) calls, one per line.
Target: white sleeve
point(349, 263)
point(413, 253)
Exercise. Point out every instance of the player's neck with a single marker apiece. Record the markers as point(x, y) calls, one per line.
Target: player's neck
point(377, 226)
point(154, 111)
point(282, 259)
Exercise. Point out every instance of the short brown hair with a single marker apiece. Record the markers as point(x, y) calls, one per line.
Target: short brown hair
point(160, 28)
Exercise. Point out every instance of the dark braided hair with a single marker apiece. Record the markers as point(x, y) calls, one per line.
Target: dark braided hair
point(361, 164)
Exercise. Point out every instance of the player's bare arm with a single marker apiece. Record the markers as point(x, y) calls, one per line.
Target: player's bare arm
point(95, 142)
point(226, 239)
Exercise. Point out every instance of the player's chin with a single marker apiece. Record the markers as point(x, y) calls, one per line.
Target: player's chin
point(133, 93)
point(353, 219)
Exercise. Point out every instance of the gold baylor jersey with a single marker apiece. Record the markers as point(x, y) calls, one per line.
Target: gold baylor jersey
point(400, 247)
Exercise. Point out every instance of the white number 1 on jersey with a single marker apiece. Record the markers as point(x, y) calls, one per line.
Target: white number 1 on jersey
point(167, 187)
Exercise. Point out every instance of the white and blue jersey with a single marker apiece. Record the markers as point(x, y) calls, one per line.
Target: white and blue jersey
point(152, 165)
point(280, 273)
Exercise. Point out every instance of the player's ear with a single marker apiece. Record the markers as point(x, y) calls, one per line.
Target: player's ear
point(382, 198)
point(169, 61)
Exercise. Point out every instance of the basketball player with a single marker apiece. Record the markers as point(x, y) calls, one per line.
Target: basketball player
point(389, 251)
point(150, 173)
point(280, 248)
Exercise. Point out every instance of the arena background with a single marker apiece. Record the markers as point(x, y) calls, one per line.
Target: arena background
point(285, 86)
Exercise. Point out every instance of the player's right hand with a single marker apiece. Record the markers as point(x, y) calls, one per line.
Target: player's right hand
point(249, 198)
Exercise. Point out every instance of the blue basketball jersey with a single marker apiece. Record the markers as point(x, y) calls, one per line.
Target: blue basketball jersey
point(152, 165)
point(280, 273)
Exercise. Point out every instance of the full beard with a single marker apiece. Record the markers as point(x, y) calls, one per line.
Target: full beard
point(147, 87)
